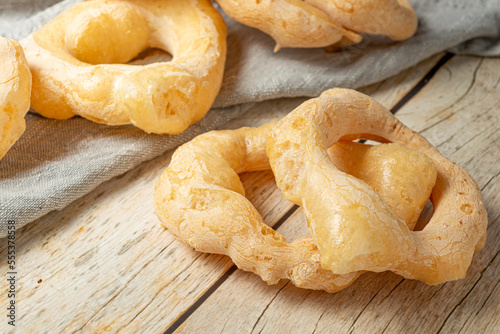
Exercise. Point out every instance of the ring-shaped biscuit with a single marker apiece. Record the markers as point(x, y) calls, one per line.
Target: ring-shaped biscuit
point(201, 200)
point(15, 90)
point(321, 23)
point(77, 63)
point(353, 227)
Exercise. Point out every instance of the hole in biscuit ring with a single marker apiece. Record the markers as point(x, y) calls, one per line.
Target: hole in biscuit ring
point(260, 190)
point(425, 216)
point(151, 56)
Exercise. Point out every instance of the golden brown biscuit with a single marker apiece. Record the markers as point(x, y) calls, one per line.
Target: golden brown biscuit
point(15, 90)
point(319, 23)
point(77, 63)
point(201, 200)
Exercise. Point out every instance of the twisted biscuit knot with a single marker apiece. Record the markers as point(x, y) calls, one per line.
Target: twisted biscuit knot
point(361, 202)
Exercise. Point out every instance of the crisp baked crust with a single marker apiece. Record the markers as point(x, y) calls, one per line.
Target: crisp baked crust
point(321, 23)
point(15, 89)
point(76, 62)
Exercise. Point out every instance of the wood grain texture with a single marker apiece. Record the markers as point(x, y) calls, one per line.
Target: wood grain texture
point(458, 111)
point(103, 264)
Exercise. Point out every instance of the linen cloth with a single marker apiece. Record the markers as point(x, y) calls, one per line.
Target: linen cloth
point(56, 162)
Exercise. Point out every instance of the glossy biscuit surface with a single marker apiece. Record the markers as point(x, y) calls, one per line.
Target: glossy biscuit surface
point(78, 63)
point(15, 89)
point(201, 200)
point(320, 23)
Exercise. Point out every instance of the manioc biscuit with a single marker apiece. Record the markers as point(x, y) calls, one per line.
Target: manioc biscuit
point(77, 61)
point(353, 226)
point(291, 23)
point(15, 87)
point(395, 19)
point(321, 23)
point(201, 200)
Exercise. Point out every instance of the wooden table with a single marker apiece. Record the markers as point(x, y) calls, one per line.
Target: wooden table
point(104, 264)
